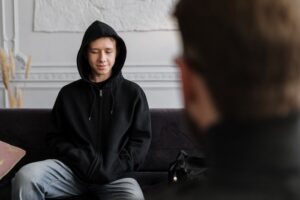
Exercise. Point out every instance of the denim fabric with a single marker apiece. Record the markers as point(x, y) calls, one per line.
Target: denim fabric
point(52, 179)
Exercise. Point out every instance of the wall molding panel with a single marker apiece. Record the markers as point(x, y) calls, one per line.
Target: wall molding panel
point(44, 83)
point(66, 74)
point(9, 25)
point(70, 76)
point(3, 27)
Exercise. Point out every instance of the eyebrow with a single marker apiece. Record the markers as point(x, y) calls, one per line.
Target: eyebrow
point(107, 48)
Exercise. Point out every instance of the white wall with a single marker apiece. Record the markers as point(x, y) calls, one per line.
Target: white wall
point(149, 62)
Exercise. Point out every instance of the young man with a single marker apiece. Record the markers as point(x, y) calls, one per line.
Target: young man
point(240, 72)
point(102, 129)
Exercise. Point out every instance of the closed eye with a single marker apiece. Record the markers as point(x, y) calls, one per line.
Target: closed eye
point(94, 51)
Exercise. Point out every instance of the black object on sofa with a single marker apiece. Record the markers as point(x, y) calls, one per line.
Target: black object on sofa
point(27, 129)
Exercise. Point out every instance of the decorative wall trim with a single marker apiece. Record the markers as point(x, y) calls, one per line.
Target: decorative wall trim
point(70, 76)
point(67, 73)
point(3, 33)
point(15, 24)
point(57, 86)
point(150, 76)
point(10, 42)
point(72, 65)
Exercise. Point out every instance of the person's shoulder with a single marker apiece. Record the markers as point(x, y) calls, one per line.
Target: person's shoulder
point(133, 89)
point(72, 86)
point(132, 86)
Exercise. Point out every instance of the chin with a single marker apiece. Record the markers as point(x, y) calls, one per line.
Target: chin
point(102, 72)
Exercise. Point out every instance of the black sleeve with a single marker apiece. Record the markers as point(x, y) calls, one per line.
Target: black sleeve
point(59, 141)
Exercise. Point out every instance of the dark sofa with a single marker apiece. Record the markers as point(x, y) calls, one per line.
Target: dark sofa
point(27, 128)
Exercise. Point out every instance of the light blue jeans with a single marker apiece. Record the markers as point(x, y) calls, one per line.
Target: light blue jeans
point(53, 179)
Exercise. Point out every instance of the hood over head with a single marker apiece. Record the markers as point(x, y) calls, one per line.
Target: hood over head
point(97, 30)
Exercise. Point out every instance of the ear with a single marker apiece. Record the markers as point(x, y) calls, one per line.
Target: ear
point(185, 78)
point(197, 99)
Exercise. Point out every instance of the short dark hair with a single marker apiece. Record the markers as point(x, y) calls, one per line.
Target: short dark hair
point(248, 52)
point(109, 37)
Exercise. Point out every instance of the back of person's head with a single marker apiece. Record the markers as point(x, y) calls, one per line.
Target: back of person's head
point(247, 51)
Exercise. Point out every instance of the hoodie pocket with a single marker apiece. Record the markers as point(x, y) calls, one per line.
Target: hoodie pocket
point(93, 167)
point(119, 164)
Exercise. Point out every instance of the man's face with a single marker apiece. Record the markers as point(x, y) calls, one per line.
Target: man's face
point(101, 57)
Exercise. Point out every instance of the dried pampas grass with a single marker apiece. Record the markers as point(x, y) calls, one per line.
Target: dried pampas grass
point(8, 70)
point(19, 98)
point(28, 67)
point(12, 64)
point(5, 69)
point(11, 98)
point(5, 75)
point(2, 57)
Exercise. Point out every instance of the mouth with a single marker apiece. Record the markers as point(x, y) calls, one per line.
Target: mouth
point(100, 66)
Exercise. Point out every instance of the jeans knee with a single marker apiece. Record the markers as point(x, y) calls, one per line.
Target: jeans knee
point(27, 175)
point(136, 192)
point(124, 188)
point(137, 195)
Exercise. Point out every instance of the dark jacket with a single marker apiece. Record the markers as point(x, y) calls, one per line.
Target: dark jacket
point(257, 160)
point(101, 130)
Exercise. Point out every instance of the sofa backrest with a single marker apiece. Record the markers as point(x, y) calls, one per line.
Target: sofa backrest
point(169, 136)
point(27, 129)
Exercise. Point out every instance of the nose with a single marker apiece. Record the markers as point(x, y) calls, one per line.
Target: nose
point(101, 57)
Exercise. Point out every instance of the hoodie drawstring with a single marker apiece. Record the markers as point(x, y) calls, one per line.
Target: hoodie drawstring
point(93, 103)
point(112, 100)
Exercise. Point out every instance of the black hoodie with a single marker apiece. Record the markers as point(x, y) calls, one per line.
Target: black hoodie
point(101, 131)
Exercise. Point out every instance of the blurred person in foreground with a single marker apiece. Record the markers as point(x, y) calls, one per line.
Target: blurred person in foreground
point(240, 71)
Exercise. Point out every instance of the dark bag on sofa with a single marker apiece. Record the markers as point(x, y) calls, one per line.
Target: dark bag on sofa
point(186, 168)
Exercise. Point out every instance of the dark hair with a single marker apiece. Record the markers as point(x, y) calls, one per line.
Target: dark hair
point(248, 52)
point(110, 37)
